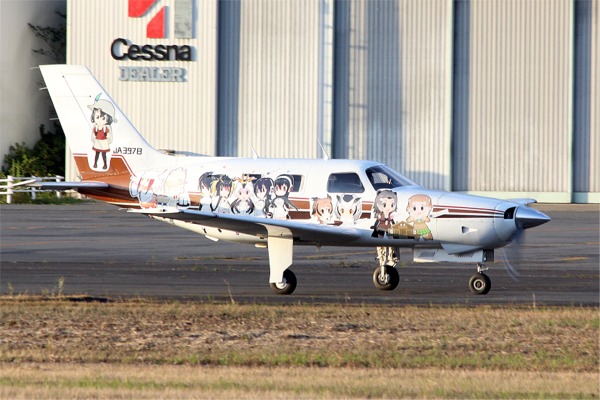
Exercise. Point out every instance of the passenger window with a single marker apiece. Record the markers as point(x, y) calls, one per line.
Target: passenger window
point(345, 183)
point(297, 183)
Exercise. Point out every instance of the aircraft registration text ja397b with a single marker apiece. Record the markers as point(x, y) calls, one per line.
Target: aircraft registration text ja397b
point(278, 203)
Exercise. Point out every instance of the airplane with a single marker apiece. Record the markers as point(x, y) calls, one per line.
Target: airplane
point(276, 203)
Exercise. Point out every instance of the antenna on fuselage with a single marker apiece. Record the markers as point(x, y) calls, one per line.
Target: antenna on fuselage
point(325, 155)
point(254, 153)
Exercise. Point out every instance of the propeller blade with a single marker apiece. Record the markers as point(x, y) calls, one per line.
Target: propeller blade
point(512, 252)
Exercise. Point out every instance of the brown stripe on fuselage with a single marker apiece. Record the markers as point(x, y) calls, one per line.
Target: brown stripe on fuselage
point(118, 176)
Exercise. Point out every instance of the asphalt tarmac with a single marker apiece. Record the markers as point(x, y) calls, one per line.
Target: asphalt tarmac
point(97, 250)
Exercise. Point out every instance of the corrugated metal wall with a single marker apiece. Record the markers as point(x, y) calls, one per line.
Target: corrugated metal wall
point(279, 78)
point(393, 85)
point(275, 71)
point(518, 137)
point(498, 97)
point(586, 118)
point(172, 115)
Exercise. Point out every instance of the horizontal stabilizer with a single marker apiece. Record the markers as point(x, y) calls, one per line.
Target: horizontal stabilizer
point(69, 185)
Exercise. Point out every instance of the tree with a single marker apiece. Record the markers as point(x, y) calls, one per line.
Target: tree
point(46, 158)
point(55, 39)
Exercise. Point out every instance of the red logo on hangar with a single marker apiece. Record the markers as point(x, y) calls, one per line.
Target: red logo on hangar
point(156, 28)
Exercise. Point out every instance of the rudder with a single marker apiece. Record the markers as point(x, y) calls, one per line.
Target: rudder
point(101, 138)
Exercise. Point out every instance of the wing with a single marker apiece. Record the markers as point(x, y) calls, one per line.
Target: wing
point(302, 232)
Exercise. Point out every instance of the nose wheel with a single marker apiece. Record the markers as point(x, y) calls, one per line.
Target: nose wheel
point(386, 278)
point(480, 283)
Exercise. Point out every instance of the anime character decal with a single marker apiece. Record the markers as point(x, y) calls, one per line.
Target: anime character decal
point(419, 208)
point(348, 209)
point(144, 189)
point(174, 192)
point(387, 217)
point(221, 202)
point(384, 210)
point(166, 188)
point(103, 116)
point(322, 210)
point(263, 190)
point(242, 193)
point(205, 185)
point(280, 204)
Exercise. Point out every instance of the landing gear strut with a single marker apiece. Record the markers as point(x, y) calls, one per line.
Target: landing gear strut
point(480, 283)
point(386, 276)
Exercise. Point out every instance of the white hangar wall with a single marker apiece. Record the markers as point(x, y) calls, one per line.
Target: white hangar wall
point(393, 65)
point(497, 97)
point(270, 70)
point(517, 137)
point(525, 122)
point(23, 108)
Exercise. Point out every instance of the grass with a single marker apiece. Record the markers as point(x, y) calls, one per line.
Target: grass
point(43, 198)
point(149, 381)
point(302, 351)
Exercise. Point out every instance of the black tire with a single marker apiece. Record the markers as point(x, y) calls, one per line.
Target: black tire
point(289, 283)
point(390, 281)
point(480, 284)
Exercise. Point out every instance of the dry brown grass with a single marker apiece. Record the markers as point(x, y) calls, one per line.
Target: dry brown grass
point(188, 382)
point(226, 350)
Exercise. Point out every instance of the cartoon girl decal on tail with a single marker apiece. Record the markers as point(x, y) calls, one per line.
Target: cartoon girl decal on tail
point(103, 116)
point(419, 207)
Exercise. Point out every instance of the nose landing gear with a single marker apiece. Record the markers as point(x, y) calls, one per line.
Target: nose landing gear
point(386, 276)
point(480, 283)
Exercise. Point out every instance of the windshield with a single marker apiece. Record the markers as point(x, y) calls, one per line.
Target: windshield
point(383, 177)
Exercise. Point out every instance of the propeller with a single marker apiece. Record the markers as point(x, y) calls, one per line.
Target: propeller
point(525, 218)
point(512, 252)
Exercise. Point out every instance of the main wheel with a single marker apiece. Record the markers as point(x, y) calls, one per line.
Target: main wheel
point(389, 280)
point(480, 283)
point(287, 286)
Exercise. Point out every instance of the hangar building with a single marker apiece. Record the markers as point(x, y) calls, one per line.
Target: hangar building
point(492, 97)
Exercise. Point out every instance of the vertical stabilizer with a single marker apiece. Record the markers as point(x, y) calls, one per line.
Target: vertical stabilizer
point(102, 139)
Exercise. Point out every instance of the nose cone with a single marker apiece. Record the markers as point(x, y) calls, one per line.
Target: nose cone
point(527, 217)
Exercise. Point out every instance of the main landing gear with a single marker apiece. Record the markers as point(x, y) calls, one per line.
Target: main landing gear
point(480, 283)
point(287, 286)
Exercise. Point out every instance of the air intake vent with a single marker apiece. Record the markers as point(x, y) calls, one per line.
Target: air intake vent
point(510, 213)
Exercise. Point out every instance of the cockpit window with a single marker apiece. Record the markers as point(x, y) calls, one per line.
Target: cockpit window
point(347, 182)
point(383, 177)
